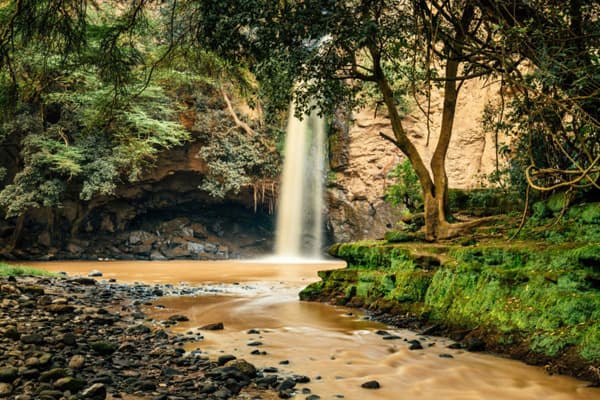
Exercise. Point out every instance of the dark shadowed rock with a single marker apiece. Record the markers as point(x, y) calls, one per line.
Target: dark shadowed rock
point(213, 327)
point(415, 345)
point(8, 374)
point(103, 348)
point(178, 318)
point(475, 344)
point(370, 385)
point(224, 359)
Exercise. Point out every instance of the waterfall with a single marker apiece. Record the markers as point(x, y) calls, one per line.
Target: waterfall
point(300, 206)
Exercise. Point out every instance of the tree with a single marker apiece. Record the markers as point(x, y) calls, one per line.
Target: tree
point(326, 50)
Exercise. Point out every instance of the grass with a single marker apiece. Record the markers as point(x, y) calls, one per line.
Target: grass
point(20, 270)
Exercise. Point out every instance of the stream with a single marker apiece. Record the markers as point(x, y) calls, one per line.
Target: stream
point(336, 347)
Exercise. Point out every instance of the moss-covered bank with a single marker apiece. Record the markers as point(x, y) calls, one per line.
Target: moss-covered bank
point(535, 302)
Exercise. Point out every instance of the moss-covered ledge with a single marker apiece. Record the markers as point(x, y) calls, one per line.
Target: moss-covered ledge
point(531, 301)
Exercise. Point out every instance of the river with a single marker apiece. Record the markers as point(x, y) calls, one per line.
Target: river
point(337, 347)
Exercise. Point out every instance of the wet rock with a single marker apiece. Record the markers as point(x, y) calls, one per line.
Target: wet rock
point(382, 333)
point(6, 389)
point(138, 330)
point(84, 281)
point(69, 383)
point(213, 327)
point(313, 397)
point(391, 337)
point(95, 274)
point(178, 318)
point(68, 339)
point(95, 392)
point(287, 383)
point(243, 366)
point(370, 385)
point(53, 374)
point(224, 359)
point(255, 343)
point(139, 237)
point(11, 332)
point(60, 308)
point(8, 374)
point(301, 378)
point(76, 362)
point(103, 348)
point(253, 332)
point(445, 355)
point(455, 346)
point(33, 338)
point(415, 345)
point(32, 290)
point(157, 256)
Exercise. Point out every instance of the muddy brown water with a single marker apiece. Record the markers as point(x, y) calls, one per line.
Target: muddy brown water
point(334, 346)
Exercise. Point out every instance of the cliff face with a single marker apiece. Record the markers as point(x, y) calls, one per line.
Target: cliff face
point(362, 159)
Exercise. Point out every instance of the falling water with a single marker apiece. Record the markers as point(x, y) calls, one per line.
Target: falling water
point(299, 215)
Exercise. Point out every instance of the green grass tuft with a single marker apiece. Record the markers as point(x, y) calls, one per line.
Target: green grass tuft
point(20, 270)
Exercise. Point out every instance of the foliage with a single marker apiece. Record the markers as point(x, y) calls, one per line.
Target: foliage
point(19, 270)
point(405, 190)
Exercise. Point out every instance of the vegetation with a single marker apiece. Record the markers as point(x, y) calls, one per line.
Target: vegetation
point(19, 270)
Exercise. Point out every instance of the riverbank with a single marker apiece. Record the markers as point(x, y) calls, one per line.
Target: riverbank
point(75, 337)
point(534, 302)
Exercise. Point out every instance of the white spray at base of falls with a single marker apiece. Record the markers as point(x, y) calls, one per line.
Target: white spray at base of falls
point(300, 206)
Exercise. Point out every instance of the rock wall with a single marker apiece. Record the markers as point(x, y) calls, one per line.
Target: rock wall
point(362, 160)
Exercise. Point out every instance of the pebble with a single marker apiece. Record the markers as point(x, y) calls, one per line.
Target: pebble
point(370, 385)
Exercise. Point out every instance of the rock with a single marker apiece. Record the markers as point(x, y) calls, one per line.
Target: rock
point(243, 366)
point(103, 348)
point(77, 362)
point(224, 359)
point(84, 281)
point(287, 383)
point(138, 330)
point(382, 333)
point(444, 355)
point(53, 374)
point(391, 337)
point(32, 290)
point(195, 248)
point(157, 256)
point(95, 392)
point(69, 383)
point(68, 339)
point(370, 385)
point(178, 318)
point(6, 389)
point(8, 374)
point(145, 386)
point(139, 237)
point(255, 343)
point(313, 397)
point(415, 345)
point(95, 273)
point(11, 332)
point(33, 338)
point(253, 332)
point(455, 346)
point(60, 308)
point(213, 327)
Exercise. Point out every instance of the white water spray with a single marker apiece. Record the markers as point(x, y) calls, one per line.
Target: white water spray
point(300, 207)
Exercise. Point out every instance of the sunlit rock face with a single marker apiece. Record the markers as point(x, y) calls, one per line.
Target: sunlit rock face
point(361, 159)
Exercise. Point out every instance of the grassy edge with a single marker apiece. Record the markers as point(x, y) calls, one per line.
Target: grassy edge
point(21, 270)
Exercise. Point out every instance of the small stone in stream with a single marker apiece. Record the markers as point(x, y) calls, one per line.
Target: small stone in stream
point(95, 392)
point(77, 362)
point(301, 378)
point(287, 383)
point(313, 397)
point(103, 348)
point(253, 332)
point(445, 355)
point(68, 339)
point(69, 383)
point(255, 343)
point(8, 374)
point(475, 344)
point(318, 378)
point(415, 345)
point(213, 327)
point(138, 330)
point(391, 337)
point(5, 389)
point(284, 362)
point(178, 318)
point(11, 332)
point(243, 366)
point(270, 370)
point(145, 386)
point(370, 385)
point(84, 281)
point(455, 346)
point(382, 333)
point(95, 273)
point(224, 359)
point(53, 374)
point(60, 308)
point(34, 338)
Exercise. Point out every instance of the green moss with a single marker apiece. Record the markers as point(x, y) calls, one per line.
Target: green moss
point(19, 270)
point(546, 296)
